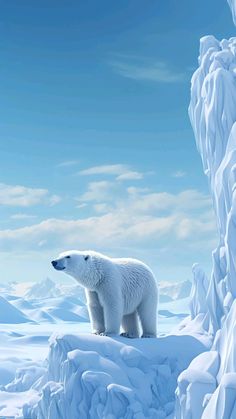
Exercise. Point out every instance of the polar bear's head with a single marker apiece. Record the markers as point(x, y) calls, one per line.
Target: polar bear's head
point(78, 264)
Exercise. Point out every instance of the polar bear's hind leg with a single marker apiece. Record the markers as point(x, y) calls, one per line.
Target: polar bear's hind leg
point(147, 312)
point(130, 325)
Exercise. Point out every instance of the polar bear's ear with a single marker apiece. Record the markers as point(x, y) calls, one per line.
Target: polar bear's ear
point(86, 257)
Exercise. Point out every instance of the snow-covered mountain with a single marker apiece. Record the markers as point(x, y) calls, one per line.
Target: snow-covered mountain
point(174, 291)
point(10, 314)
point(48, 302)
point(47, 288)
point(42, 302)
point(43, 289)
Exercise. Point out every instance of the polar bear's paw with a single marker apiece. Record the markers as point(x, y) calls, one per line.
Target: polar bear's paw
point(107, 334)
point(128, 335)
point(97, 332)
point(148, 336)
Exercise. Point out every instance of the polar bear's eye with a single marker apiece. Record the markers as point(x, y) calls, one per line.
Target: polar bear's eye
point(86, 257)
point(67, 257)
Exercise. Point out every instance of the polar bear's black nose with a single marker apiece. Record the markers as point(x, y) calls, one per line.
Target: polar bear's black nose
point(54, 263)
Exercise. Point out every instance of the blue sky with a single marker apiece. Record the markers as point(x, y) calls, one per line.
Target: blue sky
point(96, 147)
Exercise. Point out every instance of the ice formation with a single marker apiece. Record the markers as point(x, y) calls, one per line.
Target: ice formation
point(207, 389)
point(232, 5)
point(96, 377)
point(198, 303)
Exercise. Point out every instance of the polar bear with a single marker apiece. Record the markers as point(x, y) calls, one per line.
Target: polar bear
point(119, 292)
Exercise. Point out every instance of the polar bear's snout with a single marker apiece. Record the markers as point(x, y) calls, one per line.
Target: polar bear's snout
point(57, 265)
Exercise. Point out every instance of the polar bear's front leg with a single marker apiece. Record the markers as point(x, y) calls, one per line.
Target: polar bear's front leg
point(112, 309)
point(95, 312)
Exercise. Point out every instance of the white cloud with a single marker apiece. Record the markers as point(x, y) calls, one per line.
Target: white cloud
point(21, 196)
point(133, 190)
point(140, 219)
point(179, 174)
point(97, 191)
point(121, 171)
point(82, 205)
point(42, 243)
point(190, 227)
point(102, 208)
point(107, 169)
point(53, 200)
point(131, 175)
point(68, 163)
point(22, 216)
point(148, 227)
point(143, 69)
point(163, 201)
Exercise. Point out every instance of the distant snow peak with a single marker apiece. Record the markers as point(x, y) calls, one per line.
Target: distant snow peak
point(174, 291)
point(44, 289)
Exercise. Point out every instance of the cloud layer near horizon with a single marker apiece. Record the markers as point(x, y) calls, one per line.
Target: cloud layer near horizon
point(139, 218)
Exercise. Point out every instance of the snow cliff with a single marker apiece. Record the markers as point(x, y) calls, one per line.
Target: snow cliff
point(207, 389)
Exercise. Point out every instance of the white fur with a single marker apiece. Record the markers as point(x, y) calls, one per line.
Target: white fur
point(119, 291)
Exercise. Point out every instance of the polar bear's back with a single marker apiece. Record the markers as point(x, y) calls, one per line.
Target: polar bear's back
point(130, 264)
point(138, 282)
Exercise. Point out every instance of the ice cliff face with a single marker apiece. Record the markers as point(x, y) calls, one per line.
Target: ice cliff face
point(207, 389)
point(232, 5)
point(213, 114)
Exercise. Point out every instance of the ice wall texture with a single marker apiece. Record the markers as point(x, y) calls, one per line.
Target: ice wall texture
point(232, 5)
point(207, 389)
point(213, 114)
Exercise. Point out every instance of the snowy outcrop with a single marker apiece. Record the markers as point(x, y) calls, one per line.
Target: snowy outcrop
point(207, 388)
point(194, 384)
point(25, 378)
point(96, 377)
